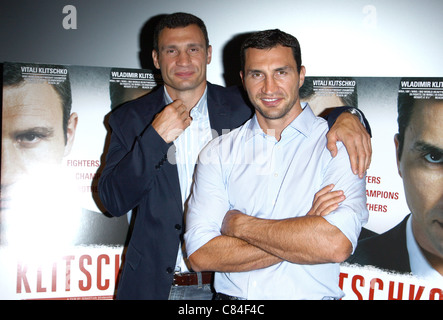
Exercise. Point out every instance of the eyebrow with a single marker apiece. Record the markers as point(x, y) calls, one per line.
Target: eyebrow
point(175, 46)
point(425, 147)
point(276, 69)
point(46, 131)
point(283, 68)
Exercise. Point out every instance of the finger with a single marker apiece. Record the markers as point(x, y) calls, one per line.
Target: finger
point(332, 145)
point(364, 155)
point(326, 200)
point(368, 146)
point(362, 161)
point(183, 111)
point(320, 193)
point(330, 205)
point(176, 103)
point(324, 190)
point(328, 210)
point(187, 122)
point(353, 157)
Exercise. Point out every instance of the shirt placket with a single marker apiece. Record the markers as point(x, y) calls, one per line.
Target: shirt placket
point(275, 178)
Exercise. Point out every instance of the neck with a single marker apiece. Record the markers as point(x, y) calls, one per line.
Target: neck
point(189, 97)
point(434, 258)
point(275, 126)
point(435, 261)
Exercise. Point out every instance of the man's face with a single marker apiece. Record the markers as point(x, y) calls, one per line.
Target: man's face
point(32, 133)
point(272, 81)
point(182, 58)
point(421, 167)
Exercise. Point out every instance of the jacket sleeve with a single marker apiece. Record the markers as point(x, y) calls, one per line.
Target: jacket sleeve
point(336, 112)
point(132, 163)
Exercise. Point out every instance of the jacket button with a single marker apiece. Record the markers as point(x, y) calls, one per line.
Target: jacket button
point(169, 270)
point(178, 226)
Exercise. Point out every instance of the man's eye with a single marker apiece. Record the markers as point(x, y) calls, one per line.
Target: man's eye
point(29, 139)
point(434, 157)
point(256, 75)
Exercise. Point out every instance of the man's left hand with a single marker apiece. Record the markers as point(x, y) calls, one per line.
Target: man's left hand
point(227, 228)
point(349, 130)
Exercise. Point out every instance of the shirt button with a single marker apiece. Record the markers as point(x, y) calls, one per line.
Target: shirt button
point(276, 174)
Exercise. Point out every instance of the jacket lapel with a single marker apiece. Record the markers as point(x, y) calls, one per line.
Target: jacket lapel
point(218, 110)
point(219, 118)
point(169, 161)
point(172, 176)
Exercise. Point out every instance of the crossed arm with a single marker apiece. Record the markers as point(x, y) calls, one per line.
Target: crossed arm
point(248, 243)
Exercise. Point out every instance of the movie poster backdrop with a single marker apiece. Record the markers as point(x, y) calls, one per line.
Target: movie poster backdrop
point(56, 240)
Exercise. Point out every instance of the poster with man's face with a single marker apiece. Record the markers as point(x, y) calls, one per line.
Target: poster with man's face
point(56, 240)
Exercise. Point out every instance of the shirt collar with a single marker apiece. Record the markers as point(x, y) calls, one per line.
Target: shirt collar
point(201, 108)
point(302, 124)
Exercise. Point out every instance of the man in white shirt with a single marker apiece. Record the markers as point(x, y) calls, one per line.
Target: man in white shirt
point(249, 216)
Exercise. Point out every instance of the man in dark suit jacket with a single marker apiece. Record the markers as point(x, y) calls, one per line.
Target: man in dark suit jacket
point(387, 251)
point(141, 170)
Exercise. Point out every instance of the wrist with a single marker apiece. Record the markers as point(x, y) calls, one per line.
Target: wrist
point(357, 113)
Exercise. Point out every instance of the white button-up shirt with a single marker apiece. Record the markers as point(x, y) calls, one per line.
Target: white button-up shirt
point(188, 145)
point(254, 173)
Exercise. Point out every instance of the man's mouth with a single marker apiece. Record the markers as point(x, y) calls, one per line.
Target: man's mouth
point(184, 74)
point(269, 102)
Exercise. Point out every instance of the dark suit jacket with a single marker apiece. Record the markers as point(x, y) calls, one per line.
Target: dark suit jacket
point(387, 251)
point(139, 172)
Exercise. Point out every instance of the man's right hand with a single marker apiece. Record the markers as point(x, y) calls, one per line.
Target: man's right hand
point(326, 201)
point(172, 121)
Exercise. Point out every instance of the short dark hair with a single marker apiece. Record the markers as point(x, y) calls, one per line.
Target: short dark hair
point(268, 39)
point(179, 20)
point(406, 106)
point(12, 76)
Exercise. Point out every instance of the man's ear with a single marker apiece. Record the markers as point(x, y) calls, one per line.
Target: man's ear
point(242, 80)
point(70, 132)
point(155, 59)
point(302, 76)
point(209, 55)
point(397, 152)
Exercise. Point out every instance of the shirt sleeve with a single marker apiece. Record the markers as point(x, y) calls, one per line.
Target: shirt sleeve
point(208, 202)
point(352, 213)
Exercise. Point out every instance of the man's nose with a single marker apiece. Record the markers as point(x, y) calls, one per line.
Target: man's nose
point(269, 85)
point(183, 59)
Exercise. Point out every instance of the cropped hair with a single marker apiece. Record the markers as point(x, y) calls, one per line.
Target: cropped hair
point(269, 39)
point(406, 103)
point(179, 20)
point(12, 77)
